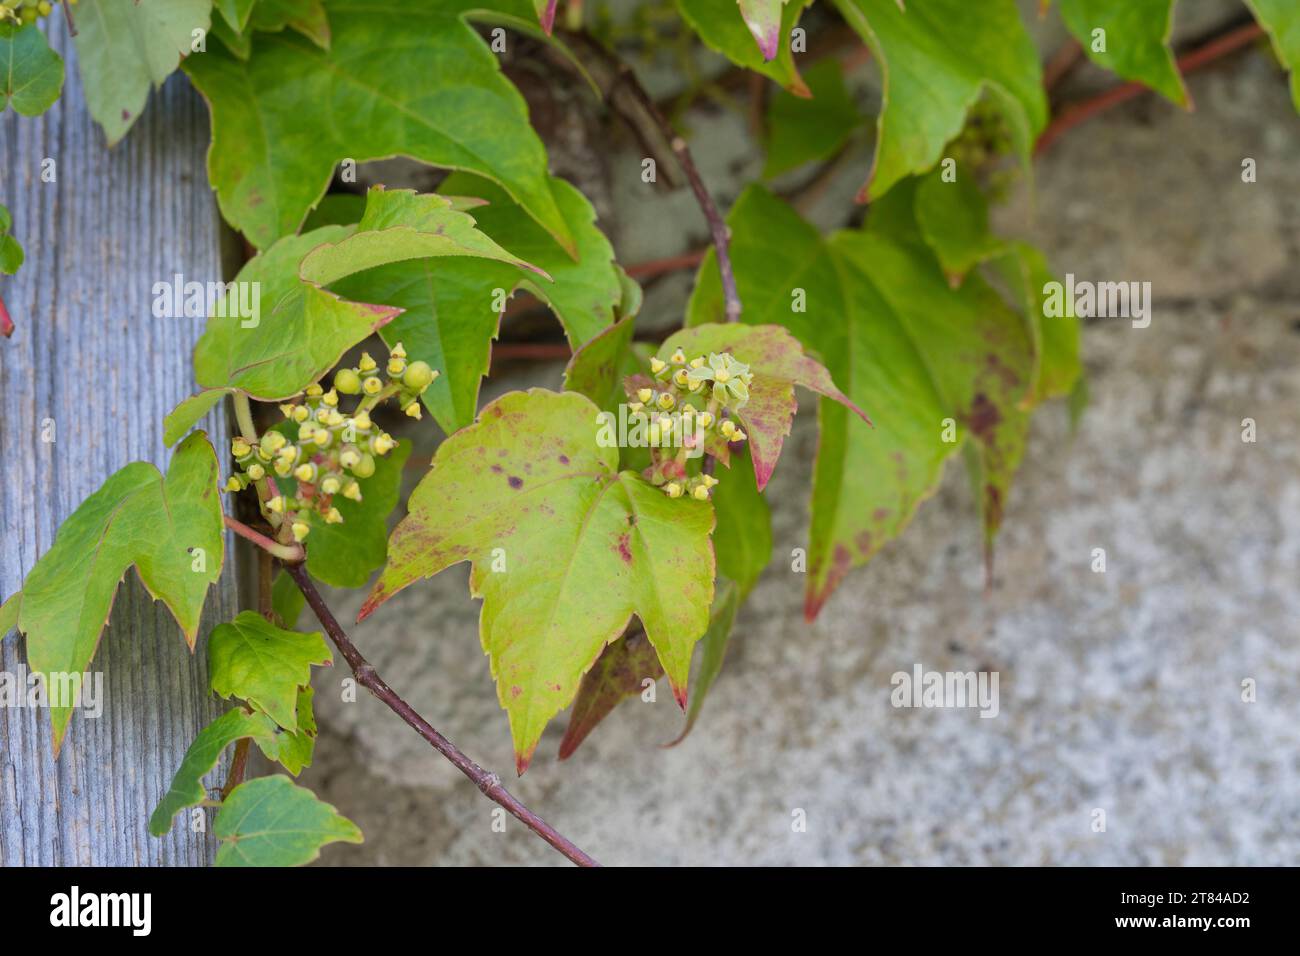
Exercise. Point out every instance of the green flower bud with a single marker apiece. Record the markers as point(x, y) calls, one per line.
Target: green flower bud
point(367, 364)
point(364, 468)
point(330, 484)
point(333, 516)
point(300, 530)
point(673, 489)
point(352, 490)
point(306, 472)
point(418, 376)
point(256, 472)
point(240, 448)
point(349, 457)
point(372, 386)
point(347, 381)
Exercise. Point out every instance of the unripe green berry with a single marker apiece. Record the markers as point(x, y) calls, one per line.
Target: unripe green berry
point(365, 467)
point(418, 376)
point(347, 381)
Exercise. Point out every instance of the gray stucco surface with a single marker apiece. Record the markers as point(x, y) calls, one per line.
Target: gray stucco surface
point(1120, 691)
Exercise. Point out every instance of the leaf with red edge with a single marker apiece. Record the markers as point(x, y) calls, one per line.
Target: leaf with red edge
point(619, 673)
point(564, 548)
point(763, 17)
point(779, 364)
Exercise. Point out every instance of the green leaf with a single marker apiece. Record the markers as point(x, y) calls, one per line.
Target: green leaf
point(124, 48)
point(285, 118)
point(721, 30)
point(169, 528)
point(235, 12)
point(1136, 40)
point(802, 130)
point(286, 600)
point(187, 414)
point(954, 219)
point(713, 650)
point(294, 751)
point(343, 555)
point(11, 253)
point(743, 538)
point(619, 673)
point(299, 331)
point(936, 58)
point(31, 74)
point(778, 362)
point(306, 16)
point(529, 489)
point(1057, 367)
point(1281, 19)
point(187, 789)
point(598, 368)
point(903, 343)
point(271, 821)
point(451, 316)
point(252, 659)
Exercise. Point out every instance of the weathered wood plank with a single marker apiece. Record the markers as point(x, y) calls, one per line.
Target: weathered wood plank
point(89, 357)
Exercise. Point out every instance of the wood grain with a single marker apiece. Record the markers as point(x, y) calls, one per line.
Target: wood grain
point(88, 354)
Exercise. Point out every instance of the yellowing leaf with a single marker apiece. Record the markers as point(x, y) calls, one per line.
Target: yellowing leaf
point(169, 528)
point(564, 550)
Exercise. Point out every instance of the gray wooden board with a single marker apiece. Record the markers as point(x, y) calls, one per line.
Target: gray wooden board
point(88, 354)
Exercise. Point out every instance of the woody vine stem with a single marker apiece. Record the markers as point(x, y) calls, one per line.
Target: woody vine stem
point(291, 554)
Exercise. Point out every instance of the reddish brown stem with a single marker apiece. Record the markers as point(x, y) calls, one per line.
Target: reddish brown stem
point(658, 267)
point(366, 675)
point(238, 764)
point(285, 552)
point(1214, 50)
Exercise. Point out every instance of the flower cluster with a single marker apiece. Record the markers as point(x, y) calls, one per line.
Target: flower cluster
point(333, 450)
point(26, 11)
point(700, 395)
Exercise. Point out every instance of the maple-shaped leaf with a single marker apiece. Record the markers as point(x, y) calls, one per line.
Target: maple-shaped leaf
point(778, 362)
point(252, 659)
point(742, 541)
point(125, 48)
point(564, 548)
point(936, 365)
point(283, 119)
point(186, 788)
point(758, 40)
point(1281, 20)
point(936, 58)
point(277, 330)
point(170, 528)
point(31, 74)
point(271, 821)
point(451, 316)
point(1133, 40)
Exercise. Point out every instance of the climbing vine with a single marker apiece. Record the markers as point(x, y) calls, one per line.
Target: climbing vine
point(614, 524)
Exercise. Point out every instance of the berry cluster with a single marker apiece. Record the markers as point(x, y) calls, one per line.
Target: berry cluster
point(333, 449)
point(700, 396)
point(26, 11)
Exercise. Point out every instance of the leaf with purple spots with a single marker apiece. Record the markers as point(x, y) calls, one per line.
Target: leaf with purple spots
point(564, 549)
